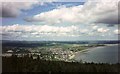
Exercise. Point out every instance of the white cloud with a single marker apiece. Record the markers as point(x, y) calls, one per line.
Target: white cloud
point(102, 30)
point(117, 31)
point(95, 27)
point(27, 0)
point(99, 11)
point(57, 15)
point(84, 30)
point(18, 31)
point(38, 30)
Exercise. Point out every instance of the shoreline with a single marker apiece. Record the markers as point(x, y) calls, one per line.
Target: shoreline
point(87, 49)
point(80, 53)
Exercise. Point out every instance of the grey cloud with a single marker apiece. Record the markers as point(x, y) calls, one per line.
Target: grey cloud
point(13, 9)
point(9, 12)
point(30, 19)
point(111, 19)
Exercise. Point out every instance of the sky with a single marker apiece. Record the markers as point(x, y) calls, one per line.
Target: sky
point(59, 20)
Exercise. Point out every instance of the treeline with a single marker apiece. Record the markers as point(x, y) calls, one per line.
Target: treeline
point(27, 64)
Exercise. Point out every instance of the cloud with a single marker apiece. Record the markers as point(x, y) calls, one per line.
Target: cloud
point(35, 30)
point(17, 31)
point(14, 8)
point(95, 27)
point(57, 15)
point(102, 30)
point(97, 11)
point(104, 11)
point(117, 32)
point(47, 30)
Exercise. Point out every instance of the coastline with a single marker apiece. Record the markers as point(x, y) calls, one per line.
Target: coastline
point(100, 56)
point(87, 49)
point(84, 50)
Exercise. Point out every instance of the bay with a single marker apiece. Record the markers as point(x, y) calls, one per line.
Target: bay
point(105, 54)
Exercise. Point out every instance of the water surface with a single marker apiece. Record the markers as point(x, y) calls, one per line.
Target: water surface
point(105, 54)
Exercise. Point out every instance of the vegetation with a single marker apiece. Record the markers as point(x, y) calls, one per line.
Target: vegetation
point(27, 64)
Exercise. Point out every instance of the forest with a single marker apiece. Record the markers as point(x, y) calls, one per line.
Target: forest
point(27, 64)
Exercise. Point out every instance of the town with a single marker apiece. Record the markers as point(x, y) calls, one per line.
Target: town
point(56, 51)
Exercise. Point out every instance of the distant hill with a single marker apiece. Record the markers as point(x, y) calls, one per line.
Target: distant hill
point(44, 43)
